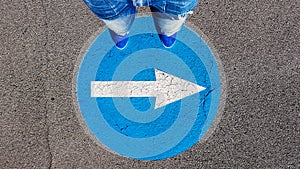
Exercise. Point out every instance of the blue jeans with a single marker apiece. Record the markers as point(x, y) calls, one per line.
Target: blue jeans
point(118, 15)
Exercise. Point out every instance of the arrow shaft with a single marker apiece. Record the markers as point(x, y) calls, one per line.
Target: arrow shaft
point(123, 89)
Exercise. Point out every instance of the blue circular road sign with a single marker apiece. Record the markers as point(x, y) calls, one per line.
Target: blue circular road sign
point(149, 102)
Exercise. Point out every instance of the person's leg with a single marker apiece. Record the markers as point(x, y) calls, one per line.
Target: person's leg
point(118, 15)
point(120, 26)
point(119, 30)
point(169, 17)
point(167, 25)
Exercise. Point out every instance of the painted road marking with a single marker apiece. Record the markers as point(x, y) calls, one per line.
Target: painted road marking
point(166, 89)
point(135, 127)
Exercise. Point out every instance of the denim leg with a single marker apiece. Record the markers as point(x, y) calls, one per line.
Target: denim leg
point(110, 9)
point(121, 25)
point(167, 24)
point(118, 15)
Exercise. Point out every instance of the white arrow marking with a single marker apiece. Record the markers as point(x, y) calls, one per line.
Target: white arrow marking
point(167, 88)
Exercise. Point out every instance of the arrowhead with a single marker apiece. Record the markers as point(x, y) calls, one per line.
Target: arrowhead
point(171, 88)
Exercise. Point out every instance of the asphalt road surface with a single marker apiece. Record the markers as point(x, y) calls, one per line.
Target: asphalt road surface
point(257, 42)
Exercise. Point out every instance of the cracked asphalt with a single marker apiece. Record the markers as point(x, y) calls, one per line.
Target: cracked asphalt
point(258, 44)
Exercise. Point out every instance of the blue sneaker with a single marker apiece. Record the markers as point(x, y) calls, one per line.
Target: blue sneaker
point(119, 40)
point(167, 41)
